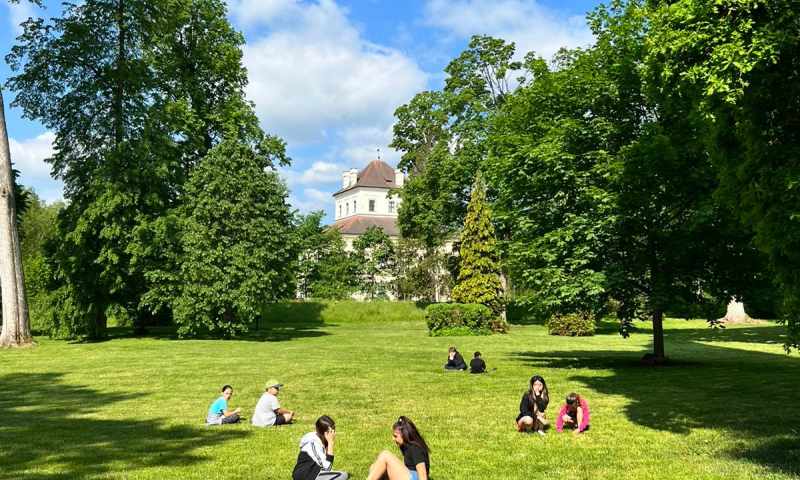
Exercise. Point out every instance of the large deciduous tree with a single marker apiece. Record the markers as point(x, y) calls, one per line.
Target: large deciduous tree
point(739, 61)
point(236, 239)
point(16, 325)
point(137, 94)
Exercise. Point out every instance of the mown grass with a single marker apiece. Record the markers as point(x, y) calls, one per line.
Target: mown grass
point(134, 407)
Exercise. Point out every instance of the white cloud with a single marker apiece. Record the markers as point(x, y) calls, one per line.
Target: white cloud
point(530, 25)
point(311, 200)
point(28, 157)
point(313, 74)
point(318, 172)
point(19, 13)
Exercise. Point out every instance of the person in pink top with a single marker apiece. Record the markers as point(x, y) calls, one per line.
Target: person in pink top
point(574, 414)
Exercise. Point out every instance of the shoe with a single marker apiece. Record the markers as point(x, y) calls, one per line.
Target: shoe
point(540, 432)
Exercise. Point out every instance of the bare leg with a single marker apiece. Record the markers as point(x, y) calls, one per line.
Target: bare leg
point(390, 466)
point(288, 417)
point(524, 423)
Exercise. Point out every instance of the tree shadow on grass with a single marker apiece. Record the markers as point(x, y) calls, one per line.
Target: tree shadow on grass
point(750, 395)
point(48, 432)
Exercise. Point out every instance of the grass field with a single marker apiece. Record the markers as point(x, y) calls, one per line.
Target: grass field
point(134, 407)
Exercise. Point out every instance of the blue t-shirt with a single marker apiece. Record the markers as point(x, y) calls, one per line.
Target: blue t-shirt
point(216, 409)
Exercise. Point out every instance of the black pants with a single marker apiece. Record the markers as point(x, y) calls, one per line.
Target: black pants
point(231, 419)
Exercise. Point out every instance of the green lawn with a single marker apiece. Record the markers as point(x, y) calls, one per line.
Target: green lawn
point(134, 408)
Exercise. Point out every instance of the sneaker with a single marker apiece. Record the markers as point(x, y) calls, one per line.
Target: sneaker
point(540, 432)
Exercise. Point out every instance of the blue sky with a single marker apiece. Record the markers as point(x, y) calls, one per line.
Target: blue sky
point(326, 75)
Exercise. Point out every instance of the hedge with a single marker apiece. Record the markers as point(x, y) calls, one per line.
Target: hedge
point(452, 319)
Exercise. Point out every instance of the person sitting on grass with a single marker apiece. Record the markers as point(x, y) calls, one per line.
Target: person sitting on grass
point(218, 412)
point(477, 365)
point(416, 462)
point(532, 406)
point(316, 453)
point(454, 360)
point(268, 409)
point(574, 414)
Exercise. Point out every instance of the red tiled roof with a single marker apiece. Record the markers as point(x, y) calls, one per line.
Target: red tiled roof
point(358, 225)
point(377, 174)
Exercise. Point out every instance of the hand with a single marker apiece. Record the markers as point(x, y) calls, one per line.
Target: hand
point(238, 409)
point(330, 436)
point(576, 432)
point(566, 418)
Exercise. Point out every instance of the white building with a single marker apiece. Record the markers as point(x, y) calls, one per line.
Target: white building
point(365, 200)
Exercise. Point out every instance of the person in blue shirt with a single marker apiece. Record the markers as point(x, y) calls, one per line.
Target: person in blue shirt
point(218, 412)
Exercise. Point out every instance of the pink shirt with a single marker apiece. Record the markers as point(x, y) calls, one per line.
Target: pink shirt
point(564, 411)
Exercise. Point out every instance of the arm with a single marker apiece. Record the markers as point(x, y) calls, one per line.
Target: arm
point(281, 411)
point(560, 420)
point(421, 472)
point(228, 413)
point(579, 421)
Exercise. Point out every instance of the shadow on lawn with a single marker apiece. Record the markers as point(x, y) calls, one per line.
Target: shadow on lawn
point(749, 395)
point(45, 427)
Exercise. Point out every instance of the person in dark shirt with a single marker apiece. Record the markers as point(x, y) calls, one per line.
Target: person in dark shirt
point(532, 406)
point(416, 461)
point(477, 365)
point(454, 360)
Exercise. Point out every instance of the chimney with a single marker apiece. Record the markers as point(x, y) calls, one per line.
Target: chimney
point(353, 176)
point(345, 179)
point(399, 178)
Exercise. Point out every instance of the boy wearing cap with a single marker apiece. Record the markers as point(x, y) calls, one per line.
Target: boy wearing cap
point(268, 409)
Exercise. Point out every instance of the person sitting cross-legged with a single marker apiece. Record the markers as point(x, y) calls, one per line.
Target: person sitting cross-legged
point(268, 409)
point(218, 412)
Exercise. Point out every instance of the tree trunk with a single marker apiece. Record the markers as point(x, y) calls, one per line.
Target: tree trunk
point(658, 336)
point(735, 313)
point(16, 328)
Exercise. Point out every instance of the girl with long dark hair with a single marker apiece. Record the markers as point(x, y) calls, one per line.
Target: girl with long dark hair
point(416, 462)
point(532, 406)
point(316, 453)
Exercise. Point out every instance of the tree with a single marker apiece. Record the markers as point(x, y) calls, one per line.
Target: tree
point(324, 268)
point(137, 94)
point(421, 272)
point(237, 252)
point(479, 268)
point(16, 326)
point(551, 166)
point(442, 136)
point(731, 58)
point(374, 252)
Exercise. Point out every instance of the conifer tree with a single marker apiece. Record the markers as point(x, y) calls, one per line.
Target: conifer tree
point(479, 270)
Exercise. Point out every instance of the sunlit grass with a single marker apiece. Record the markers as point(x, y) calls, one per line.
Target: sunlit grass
point(134, 408)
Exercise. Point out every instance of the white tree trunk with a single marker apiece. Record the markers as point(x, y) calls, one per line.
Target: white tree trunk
point(735, 313)
point(16, 328)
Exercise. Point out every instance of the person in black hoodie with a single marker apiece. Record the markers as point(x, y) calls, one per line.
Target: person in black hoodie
point(316, 453)
point(454, 360)
point(532, 406)
point(477, 365)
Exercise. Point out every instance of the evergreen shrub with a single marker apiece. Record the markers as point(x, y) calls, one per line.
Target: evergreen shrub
point(579, 324)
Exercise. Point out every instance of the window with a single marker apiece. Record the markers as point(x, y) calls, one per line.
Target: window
point(355, 210)
point(391, 206)
point(347, 208)
point(340, 209)
point(372, 205)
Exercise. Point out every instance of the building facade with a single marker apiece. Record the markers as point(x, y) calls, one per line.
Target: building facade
point(366, 200)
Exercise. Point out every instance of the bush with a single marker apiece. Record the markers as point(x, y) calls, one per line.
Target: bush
point(579, 324)
point(452, 319)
